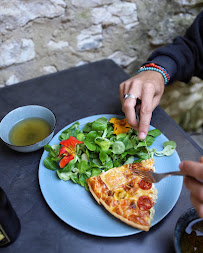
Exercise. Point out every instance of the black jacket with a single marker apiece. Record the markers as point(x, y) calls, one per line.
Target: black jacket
point(184, 57)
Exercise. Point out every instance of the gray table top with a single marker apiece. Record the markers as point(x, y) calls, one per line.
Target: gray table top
point(74, 94)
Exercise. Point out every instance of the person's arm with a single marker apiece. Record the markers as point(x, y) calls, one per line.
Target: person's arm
point(181, 59)
point(184, 57)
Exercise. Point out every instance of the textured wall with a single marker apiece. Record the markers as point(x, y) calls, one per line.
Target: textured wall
point(41, 37)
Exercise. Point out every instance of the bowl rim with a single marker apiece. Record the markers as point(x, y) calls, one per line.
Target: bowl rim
point(31, 145)
point(191, 209)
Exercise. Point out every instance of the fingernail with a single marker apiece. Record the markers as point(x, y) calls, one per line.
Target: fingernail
point(142, 135)
point(181, 165)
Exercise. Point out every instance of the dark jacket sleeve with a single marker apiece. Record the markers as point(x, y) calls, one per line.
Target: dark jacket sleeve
point(184, 57)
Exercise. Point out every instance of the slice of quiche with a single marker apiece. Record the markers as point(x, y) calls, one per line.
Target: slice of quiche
point(125, 195)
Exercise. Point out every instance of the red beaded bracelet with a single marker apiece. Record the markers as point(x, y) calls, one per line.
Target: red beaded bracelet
point(157, 67)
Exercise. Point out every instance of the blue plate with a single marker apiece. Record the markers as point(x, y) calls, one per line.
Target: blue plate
point(76, 206)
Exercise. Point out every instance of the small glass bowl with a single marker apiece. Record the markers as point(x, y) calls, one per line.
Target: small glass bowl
point(22, 113)
point(183, 222)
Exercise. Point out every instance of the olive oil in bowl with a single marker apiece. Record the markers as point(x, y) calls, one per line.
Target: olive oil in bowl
point(192, 238)
point(29, 131)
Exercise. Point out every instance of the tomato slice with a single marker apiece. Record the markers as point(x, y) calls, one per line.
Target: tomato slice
point(145, 203)
point(144, 185)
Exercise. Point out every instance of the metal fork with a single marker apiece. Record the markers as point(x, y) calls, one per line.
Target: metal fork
point(153, 177)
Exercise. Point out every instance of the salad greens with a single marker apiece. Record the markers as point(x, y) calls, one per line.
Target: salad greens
point(101, 150)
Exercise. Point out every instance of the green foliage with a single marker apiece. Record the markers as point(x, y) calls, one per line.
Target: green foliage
point(169, 148)
point(101, 150)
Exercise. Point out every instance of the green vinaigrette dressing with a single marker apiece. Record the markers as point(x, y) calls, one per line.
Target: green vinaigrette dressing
point(29, 131)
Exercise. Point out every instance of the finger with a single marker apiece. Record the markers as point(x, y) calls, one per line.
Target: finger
point(129, 108)
point(201, 159)
point(195, 187)
point(123, 89)
point(156, 101)
point(145, 112)
point(198, 205)
point(193, 169)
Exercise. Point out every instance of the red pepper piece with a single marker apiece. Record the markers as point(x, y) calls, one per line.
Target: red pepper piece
point(71, 141)
point(63, 151)
point(65, 160)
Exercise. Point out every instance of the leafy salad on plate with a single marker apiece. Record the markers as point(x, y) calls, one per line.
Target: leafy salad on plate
point(100, 146)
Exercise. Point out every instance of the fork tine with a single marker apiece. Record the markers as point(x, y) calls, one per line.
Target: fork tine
point(153, 177)
point(148, 179)
point(145, 178)
point(145, 175)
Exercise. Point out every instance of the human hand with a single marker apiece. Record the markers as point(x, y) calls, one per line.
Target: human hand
point(194, 182)
point(148, 86)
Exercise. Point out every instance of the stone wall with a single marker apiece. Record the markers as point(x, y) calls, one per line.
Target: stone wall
point(184, 103)
point(38, 37)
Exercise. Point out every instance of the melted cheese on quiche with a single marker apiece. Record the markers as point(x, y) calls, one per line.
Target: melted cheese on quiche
point(149, 164)
point(114, 177)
